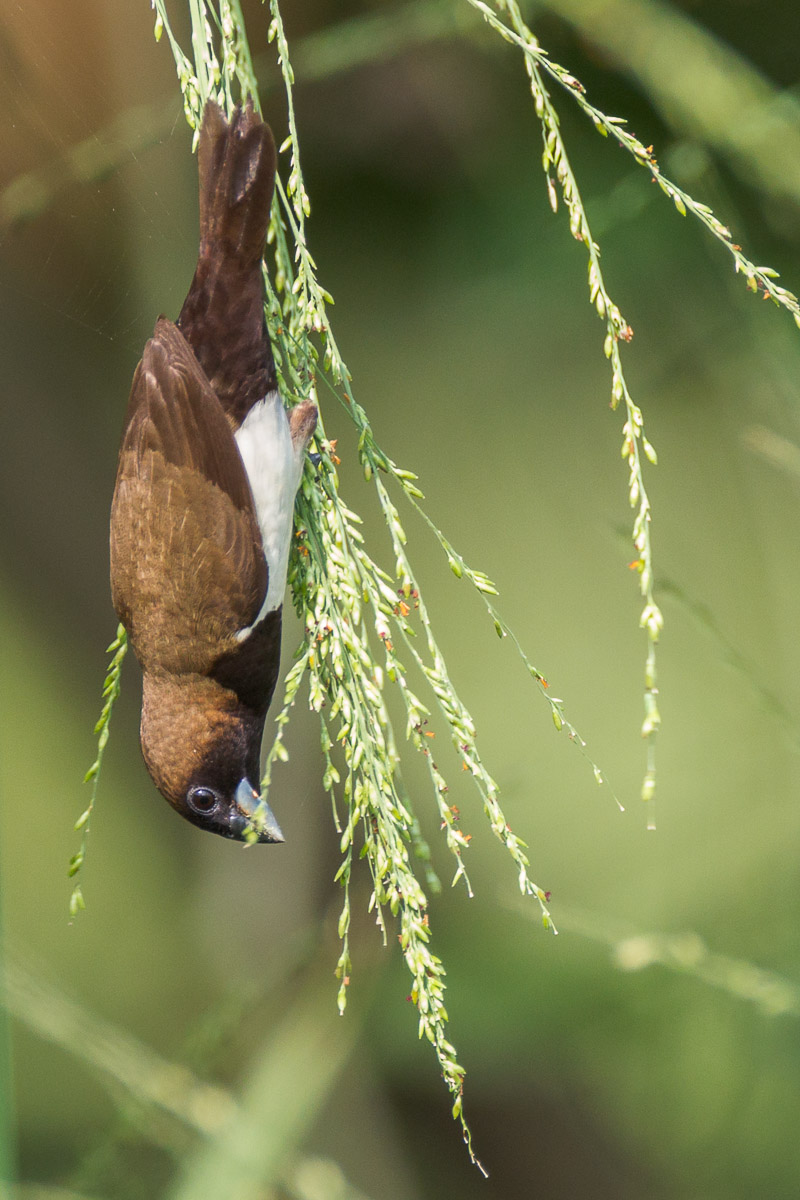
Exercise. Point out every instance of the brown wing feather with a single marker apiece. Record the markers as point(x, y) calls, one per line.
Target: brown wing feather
point(187, 562)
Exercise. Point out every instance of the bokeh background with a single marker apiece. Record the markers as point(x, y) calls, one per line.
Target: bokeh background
point(180, 1038)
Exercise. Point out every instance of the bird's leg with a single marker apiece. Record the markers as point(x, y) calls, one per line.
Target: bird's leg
point(302, 423)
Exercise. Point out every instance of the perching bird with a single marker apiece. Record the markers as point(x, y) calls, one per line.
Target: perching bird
point(201, 520)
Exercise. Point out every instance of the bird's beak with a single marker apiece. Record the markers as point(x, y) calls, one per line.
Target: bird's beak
point(254, 817)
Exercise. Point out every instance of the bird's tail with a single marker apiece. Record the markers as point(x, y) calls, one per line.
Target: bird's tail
point(222, 317)
point(237, 163)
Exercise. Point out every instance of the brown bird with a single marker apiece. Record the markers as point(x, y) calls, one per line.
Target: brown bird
point(201, 519)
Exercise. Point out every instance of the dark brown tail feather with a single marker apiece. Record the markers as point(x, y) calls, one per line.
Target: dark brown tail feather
point(237, 164)
point(222, 317)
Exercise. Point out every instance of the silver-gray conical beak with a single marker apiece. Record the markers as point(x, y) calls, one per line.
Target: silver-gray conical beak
point(255, 819)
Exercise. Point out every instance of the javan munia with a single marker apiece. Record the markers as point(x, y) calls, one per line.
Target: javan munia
point(201, 520)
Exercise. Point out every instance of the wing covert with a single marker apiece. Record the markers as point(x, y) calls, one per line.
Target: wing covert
point(188, 566)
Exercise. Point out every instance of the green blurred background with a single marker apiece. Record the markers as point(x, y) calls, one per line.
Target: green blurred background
point(180, 1038)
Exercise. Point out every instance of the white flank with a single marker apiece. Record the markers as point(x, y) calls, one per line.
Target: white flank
point(274, 469)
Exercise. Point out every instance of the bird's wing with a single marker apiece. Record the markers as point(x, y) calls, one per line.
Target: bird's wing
point(187, 562)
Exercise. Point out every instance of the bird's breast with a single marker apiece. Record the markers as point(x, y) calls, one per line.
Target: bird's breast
point(273, 469)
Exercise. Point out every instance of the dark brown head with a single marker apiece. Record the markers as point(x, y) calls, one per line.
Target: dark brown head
point(201, 748)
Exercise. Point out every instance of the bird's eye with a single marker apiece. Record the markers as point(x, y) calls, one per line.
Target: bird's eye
point(203, 800)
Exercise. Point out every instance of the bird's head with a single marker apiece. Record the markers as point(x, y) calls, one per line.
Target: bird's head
point(202, 751)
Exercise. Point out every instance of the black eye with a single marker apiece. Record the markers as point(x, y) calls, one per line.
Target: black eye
point(203, 800)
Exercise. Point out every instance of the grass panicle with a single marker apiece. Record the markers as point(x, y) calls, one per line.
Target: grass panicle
point(368, 634)
point(111, 688)
point(367, 626)
point(505, 17)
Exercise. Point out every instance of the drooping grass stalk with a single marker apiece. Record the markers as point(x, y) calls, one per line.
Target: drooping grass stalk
point(757, 279)
point(111, 687)
point(635, 446)
point(362, 622)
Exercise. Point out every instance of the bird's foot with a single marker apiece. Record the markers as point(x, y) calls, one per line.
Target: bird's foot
point(302, 423)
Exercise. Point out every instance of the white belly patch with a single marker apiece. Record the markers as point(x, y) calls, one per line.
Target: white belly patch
point(274, 469)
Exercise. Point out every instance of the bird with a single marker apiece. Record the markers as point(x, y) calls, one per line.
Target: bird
point(209, 465)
